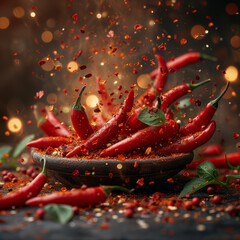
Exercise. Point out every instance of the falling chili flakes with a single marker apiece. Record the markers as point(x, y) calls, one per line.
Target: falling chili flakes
point(235, 135)
point(140, 182)
point(82, 67)
point(41, 62)
point(110, 34)
point(183, 41)
point(75, 17)
point(145, 58)
point(88, 75)
point(135, 164)
point(75, 172)
point(138, 26)
point(39, 94)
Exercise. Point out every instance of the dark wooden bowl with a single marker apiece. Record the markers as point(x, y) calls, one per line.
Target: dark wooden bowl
point(73, 172)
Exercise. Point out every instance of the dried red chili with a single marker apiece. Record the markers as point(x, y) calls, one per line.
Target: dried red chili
point(107, 132)
point(144, 138)
point(18, 198)
point(45, 142)
point(204, 117)
point(189, 143)
point(82, 198)
point(79, 118)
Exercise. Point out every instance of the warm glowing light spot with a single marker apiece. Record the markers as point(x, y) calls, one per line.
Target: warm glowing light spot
point(231, 8)
point(18, 12)
point(234, 94)
point(92, 101)
point(151, 23)
point(47, 36)
point(144, 81)
point(48, 64)
point(51, 23)
point(198, 32)
point(32, 14)
point(51, 98)
point(4, 22)
point(231, 74)
point(99, 15)
point(235, 41)
point(102, 63)
point(14, 125)
point(119, 166)
point(66, 109)
point(72, 66)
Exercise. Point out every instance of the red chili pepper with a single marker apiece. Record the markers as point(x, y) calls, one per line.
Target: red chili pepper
point(161, 77)
point(45, 142)
point(82, 198)
point(219, 162)
point(110, 130)
point(108, 105)
point(18, 198)
point(189, 143)
point(184, 60)
point(173, 94)
point(203, 118)
point(144, 138)
point(79, 119)
point(51, 125)
point(169, 114)
point(98, 120)
point(211, 150)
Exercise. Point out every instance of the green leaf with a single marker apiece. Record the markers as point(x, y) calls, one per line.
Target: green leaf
point(195, 185)
point(207, 170)
point(5, 149)
point(155, 117)
point(59, 212)
point(22, 145)
point(231, 177)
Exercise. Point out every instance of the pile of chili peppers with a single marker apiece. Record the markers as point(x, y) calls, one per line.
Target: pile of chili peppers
point(102, 134)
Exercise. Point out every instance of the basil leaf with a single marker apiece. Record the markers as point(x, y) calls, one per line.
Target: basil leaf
point(22, 145)
point(154, 118)
point(207, 170)
point(5, 149)
point(195, 185)
point(231, 177)
point(59, 212)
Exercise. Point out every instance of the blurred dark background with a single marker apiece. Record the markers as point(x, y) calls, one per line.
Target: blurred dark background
point(41, 42)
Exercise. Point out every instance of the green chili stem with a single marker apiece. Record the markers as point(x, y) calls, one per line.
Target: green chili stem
point(77, 105)
point(109, 189)
point(214, 102)
point(207, 57)
point(193, 86)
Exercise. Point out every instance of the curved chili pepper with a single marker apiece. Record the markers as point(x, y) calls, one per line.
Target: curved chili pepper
point(203, 118)
point(82, 198)
point(110, 130)
point(219, 162)
point(173, 94)
point(133, 124)
point(106, 101)
point(98, 120)
point(161, 77)
point(189, 143)
point(45, 142)
point(211, 150)
point(144, 138)
point(51, 125)
point(18, 198)
point(184, 60)
point(79, 118)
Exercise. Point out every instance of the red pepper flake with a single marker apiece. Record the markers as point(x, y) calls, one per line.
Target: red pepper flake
point(88, 75)
point(34, 7)
point(170, 180)
point(87, 173)
point(145, 58)
point(140, 182)
point(198, 102)
point(138, 26)
point(41, 62)
point(63, 189)
point(148, 150)
point(39, 94)
point(104, 226)
point(175, 20)
point(76, 37)
point(110, 34)
point(65, 91)
point(183, 41)
point(82, 67)
point(110, 175)
point(116, 74)
point(75, 17)
point(29, 122)
point(186, 174)
point(82, 30)
point(135, 164)
point(75, 172)
point(5, 118)
point(235, 135)
point(135, 71)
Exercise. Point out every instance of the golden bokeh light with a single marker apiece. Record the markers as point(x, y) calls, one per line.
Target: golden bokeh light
point(144, 81)
point(18, 12)
point(92, 101)
point(48, 65)
point(231, 74)
point(47, 36)
point(14, 125)
point(51, 98)
point(198, 32)
point(32, 14)
point(4, 22)
point(72, 66)
point(231, 8)
point(235, 41)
